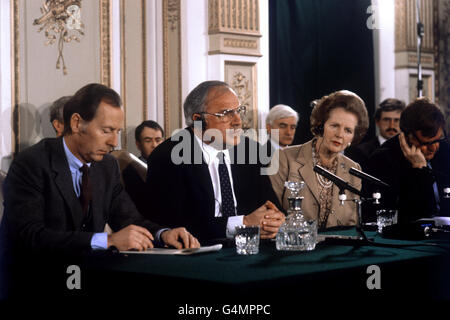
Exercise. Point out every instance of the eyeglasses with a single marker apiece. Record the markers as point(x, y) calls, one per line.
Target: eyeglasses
point(429, 143)
point(227, 115)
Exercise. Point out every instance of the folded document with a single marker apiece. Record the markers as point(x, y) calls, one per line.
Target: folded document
point(182, 252)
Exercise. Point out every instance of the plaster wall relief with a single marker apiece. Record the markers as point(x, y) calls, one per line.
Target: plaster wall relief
point(242, 78)
point(77, 38)
point(233, 29)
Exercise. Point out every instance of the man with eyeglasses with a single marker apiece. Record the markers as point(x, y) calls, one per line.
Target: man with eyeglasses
point(416, 164)
point(209, 177)
point(387, 120)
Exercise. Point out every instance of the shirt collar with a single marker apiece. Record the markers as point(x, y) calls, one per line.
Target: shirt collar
point(275, 144)
point(74, 163)
point(210, 153)
point(381, 140)
point(143, 159)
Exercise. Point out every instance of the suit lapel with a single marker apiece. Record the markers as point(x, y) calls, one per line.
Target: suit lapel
point(306, 169)
point(200, 172)
point(64, 182)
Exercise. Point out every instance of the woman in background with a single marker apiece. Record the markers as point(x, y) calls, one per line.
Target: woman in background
point(337, 121)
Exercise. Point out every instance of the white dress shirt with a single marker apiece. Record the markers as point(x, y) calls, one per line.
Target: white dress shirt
point(381, 140)
point(211, 159)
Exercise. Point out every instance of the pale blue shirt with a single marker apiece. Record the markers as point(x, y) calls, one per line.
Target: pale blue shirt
point(99, 240)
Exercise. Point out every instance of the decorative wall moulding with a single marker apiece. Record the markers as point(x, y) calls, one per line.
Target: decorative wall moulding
point(409, 60)
point(234, 44)
point(234, 27)
point(61, 21)
point(233, 16)
point(172, 65)
point(105, 42)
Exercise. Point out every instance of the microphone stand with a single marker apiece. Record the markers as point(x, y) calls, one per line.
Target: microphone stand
point(358, 202)
point(342, 185)
point(420, 34)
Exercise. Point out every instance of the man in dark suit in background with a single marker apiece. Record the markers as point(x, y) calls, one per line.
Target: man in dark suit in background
point(284, 119)
point(205, 177)
point(281, 123)
point(60, 193)
point(387, 119)
point(416, 164)
point(148, 135)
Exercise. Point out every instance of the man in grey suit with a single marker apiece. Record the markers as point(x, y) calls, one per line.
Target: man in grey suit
point(60, 193)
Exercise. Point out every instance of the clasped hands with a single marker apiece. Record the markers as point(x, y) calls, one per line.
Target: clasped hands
point(268, 217)
point(139, 238)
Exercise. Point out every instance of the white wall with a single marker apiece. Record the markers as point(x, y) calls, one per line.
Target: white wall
point(194, 46)
point(384, 50)
point(155, 85)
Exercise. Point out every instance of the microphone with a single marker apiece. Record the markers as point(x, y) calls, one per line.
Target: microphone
point(336, 180)
point(368, 177)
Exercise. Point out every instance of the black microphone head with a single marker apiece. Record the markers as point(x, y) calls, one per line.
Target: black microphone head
point(364, 176)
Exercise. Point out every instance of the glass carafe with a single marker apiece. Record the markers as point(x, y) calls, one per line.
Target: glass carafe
point(296, 233)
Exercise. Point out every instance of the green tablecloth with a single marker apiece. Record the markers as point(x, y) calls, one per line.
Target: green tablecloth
point(330, 267)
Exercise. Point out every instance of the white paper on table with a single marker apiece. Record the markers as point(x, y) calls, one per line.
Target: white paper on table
point(182, 252)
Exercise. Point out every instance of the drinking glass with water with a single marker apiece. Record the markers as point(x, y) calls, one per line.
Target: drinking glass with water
point(247, 239)
point(386, 218)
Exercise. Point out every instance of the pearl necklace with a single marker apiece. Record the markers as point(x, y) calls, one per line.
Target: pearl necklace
point(324, 182)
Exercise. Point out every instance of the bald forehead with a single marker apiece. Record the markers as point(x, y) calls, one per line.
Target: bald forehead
point(218, 92)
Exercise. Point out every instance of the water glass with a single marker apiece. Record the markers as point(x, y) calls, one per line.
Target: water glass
point(386, 218)
point(247, 239)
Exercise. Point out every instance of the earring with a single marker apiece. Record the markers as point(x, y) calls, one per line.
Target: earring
point(349, 144)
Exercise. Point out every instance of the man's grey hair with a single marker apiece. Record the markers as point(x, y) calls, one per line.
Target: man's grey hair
point(56, 109)
point(280, 111)
point(196, 100)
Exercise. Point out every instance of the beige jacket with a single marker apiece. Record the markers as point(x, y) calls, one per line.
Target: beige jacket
point(296, 164)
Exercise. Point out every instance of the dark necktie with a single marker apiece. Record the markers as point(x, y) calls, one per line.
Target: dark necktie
point(85, 196)
point(225, 188)
point(435, 192)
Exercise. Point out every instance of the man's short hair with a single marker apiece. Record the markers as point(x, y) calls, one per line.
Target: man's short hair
point(56, 109)
point(149, 124)
point(85, 102)
point(280, 111)
point(422, 115)
point(196, 100)
point(387, 105)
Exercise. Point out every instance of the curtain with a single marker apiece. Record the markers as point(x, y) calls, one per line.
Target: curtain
point(317, 47)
